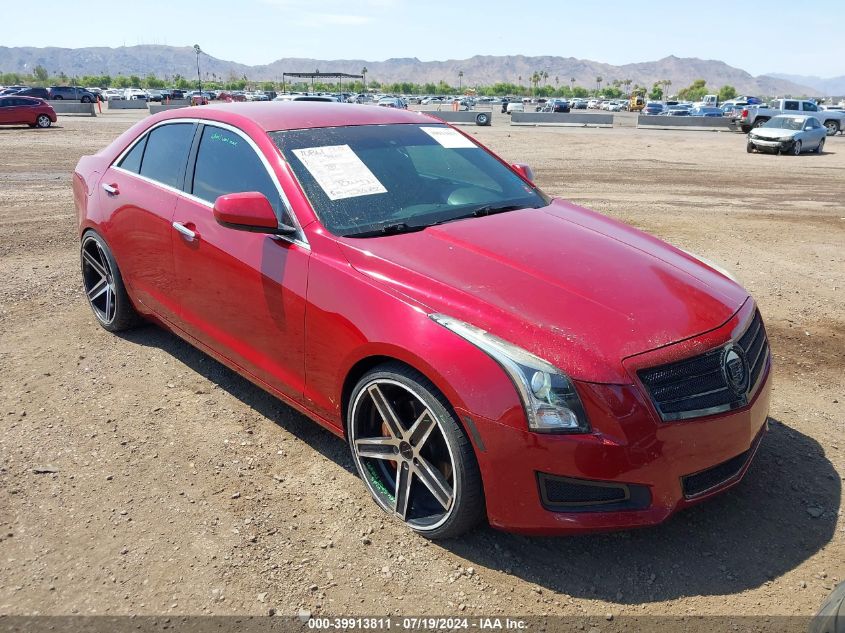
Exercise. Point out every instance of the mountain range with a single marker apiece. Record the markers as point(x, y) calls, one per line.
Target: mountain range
point(167, 61)
point(831, 86)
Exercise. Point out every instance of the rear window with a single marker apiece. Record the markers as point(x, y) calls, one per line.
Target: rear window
point(166, 152)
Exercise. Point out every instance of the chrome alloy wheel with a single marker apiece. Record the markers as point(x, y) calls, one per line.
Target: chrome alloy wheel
point(403, 454)
point(98, 281)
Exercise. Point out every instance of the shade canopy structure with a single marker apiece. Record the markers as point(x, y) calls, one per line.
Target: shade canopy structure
point(318, 75)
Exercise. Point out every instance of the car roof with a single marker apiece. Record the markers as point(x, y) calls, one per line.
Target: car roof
point(797, 115)
point(294, 115)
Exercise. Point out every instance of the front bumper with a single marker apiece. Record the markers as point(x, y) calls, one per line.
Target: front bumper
point(655, 468)
point(772, 145)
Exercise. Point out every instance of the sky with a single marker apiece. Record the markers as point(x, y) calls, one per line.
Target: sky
point(787, 37)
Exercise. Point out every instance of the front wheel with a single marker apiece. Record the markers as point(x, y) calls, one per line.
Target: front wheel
point(796, 148)
point(86, 99)
point(103, 285)
point(832, 127)
point(482, 119)
point(411, 453)
point(820, 147)
point(749, 147)
point(759, 123)
point(43, 121)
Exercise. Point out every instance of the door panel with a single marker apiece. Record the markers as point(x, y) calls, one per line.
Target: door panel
point(140, 234)
point(243, 295)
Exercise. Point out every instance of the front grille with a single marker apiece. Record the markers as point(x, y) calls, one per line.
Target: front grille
point(699, 386)
point(565, 494)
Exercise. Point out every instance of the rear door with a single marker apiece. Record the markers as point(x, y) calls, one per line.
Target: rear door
point(6, 110)
point(139, 193)
point(242, 294)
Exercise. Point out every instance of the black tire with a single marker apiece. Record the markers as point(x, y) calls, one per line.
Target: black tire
point(745, 128)
point(86, 99)
point(115, 312)
point(58, 98)
point(820, 147)
point(749, 147)
point(796, 148)
point(42, 121)
point(832, 127)
point(410, 395)
point(759, 122)
point(482, 118)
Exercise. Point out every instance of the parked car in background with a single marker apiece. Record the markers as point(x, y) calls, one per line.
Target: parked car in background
point(755, 116)
point(653, 108)
point(38, 93)
point(788, 133)
point(579, 104)
point(10, 90)
point(392, 102)
point(397, 282)
point(113, 94)
point(515, 106)
point(323, 98)
point(17, 110)
point(71, 93)
point(677, 110)
point(131, 94)
point(155, 95)
point(707, 111)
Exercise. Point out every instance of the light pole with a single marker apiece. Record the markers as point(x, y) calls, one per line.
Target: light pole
point(460, 81)
point(198, 50)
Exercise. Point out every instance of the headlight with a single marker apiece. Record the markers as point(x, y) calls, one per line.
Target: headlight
point(548, 396)
point(712, 265)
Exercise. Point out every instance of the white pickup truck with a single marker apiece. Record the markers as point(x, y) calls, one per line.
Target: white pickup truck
point(755, 116)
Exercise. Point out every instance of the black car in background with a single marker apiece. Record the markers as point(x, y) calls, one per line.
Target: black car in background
point(39, 93)
point(72, 93)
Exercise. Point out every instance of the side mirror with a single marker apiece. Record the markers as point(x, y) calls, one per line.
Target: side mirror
point(525, 171)
point(249, 211)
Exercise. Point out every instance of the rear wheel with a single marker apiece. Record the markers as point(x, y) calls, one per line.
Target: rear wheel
point(43, 121)
point(86, 99)
point(832, 127)
point(796, 148)
point(58, 97)
point(104, 287)
point(482, 118)
point(759, 123)
point(412, 455)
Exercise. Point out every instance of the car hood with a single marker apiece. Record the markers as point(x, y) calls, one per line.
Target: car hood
point(774, 133)
point(574, 287)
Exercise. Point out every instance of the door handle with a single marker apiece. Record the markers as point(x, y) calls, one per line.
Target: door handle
point(187, 233)
point(112, 190)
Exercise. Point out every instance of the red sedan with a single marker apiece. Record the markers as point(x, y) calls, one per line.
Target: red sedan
point(33, 112)
point(486, 350)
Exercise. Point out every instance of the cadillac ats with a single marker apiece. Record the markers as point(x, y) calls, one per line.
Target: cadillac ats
point(488, 352)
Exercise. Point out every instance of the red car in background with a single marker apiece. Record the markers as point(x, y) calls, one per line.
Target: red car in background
point(486, 350)
point(33, 112)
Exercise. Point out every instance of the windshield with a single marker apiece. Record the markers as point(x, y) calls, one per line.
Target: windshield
point(786, 123)
point(378, 179)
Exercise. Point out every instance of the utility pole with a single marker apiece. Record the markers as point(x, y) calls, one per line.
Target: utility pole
point(198, 50)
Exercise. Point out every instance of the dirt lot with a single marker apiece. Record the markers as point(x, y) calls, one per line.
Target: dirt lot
point(181, 488)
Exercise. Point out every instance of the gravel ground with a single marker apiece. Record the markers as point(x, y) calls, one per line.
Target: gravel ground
point(139, 476)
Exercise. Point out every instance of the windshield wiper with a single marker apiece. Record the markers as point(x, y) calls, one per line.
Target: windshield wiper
point(389, 229)
point(490, 209)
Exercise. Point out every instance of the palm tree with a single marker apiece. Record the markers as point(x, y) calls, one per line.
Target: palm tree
point(572, 85)
point(599, 79)
point(628, 83)
point(667, 83)
point(545, 77)
point(364, 72)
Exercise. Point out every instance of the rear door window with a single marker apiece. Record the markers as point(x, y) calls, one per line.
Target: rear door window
point(132, 161)
point(790, 105)
point(166, 153)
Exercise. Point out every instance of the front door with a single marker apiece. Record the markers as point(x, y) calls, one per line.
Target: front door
point(242, 294)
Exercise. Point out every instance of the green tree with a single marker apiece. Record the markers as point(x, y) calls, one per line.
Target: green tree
point(41, 73)
point(726, 93)
point(656, 93)
point(694, 92)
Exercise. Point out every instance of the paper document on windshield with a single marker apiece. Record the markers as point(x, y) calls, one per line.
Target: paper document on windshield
point(339, 171)
point(448, 138)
